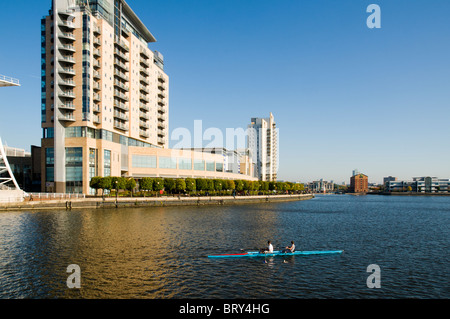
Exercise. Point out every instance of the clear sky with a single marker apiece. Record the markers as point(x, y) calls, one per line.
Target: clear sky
point(344, 96)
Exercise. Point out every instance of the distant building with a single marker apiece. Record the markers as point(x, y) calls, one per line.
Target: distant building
point(389, 179)
point(262, 141)
point(26, 167)
point(359, 183)
point(320, 186)
point(355, 172)
point(425, 184)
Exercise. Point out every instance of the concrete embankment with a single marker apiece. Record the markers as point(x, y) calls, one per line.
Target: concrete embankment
point(110, 202)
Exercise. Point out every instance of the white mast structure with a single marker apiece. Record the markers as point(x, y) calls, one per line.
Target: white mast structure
point(6, 174)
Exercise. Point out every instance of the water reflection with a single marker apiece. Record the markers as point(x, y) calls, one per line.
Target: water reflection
point(161, 252)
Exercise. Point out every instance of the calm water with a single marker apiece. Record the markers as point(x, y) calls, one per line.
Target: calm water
point(161, 252)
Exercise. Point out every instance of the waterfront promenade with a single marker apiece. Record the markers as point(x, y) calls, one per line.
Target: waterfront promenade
point(112, 202)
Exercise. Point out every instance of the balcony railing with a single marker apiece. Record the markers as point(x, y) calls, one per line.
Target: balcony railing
point(121, 116)
point(67, 82)
point(122, 44)
point(144, 107)
point(121, 105)
point(143, 133)
point(67, 117)
point(67, 71)
point(97, 97)
point(143, 124)
point(143, 80)
point(67, 47)
point(121, 85)
point(121, 54)
point(161, 110)
point(120, 95)
point(67, 106)
point(66, 35)
point(120, 126)
point(67, 59)
point(69, 94)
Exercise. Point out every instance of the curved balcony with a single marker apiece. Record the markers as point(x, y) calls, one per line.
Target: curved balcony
point(66, 36)
point(67, 117)
point(68, 71)
point(67, 59)
point(69, 83)
point(67, 106)
point(66, 47)
point(66, 24)
point(66, 94)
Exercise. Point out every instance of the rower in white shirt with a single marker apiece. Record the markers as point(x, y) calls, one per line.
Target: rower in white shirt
point(268, 250)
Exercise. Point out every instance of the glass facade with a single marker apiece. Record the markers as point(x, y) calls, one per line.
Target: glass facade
point(43, 72)
point(143, 161)
point(50, 164)
point(74, 170)
point(167, 162)
point(184, 163)
point(92, 166)
point(83, 131)
point(199, 165)
point(210, 167)
point(107, 163)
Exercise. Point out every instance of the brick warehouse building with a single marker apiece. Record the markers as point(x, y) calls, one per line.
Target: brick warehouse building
point(359, 183)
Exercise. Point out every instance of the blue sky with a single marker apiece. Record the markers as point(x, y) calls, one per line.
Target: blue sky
point(344, 96)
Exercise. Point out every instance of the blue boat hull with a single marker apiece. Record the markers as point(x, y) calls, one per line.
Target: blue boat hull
point(276, 253)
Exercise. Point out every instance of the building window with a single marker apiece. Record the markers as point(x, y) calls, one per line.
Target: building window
point(50, 164)
point(167, 162)
point(199, 165)
point(92, 166)
point(219, 167)
point(107, 163)
point(185, 163)
point(74, 170)
point(143, 161)
point(210, 167)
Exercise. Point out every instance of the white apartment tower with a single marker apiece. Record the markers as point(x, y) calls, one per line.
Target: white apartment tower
point(263, 145)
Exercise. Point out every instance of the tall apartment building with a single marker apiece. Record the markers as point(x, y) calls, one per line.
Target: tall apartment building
point(105, 101)
point(262, 140)
point(103, 90)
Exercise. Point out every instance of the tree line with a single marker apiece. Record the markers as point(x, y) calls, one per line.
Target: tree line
point(192, 186)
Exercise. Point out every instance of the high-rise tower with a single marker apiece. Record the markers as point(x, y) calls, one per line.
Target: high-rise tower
point(103, 90)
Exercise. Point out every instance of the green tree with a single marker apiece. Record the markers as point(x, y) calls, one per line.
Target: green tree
point(209, 185)
point(201, 184)
point(272, 186)
point(169, 185)
point(158, 184)
point(218, 184)
point(190, 184)
point(228, 184)
point(105, 183)
point(146, 184)
point(95, 183)
point(180, 185)
point(118, 183)
point(239, 185)
point(130, 184)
